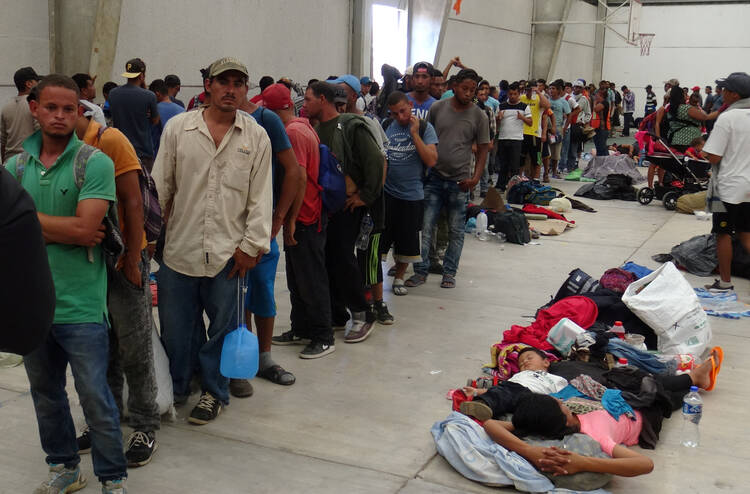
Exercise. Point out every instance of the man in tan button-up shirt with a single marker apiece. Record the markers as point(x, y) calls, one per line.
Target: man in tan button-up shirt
point(213, 174)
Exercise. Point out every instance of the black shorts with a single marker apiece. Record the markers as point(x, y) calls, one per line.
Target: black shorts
point(545, 149)
point(735, 220)
point(530, 149)
point(369, 261)
point(403, 222)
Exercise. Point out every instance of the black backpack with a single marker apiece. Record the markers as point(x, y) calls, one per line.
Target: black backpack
point(514, 225)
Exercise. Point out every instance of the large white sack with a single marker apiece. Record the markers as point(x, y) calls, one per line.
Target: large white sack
point(668, 304)
point(164, 391)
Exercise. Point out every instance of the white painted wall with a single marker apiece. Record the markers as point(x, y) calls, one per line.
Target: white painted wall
point(300, 39)
point(576, 57)
point(24, 37)
point(494, 38)
point(491, 37)
point(696, 44)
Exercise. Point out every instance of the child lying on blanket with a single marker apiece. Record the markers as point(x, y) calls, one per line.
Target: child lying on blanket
point(546, 416)
point(503, 398)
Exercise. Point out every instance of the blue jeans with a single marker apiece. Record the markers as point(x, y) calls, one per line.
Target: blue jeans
point(440, 193)
point(600, 141)
point(182, 301)
point(562, 164)
point(86, 347)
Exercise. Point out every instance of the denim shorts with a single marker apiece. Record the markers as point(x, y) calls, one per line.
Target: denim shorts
point(261, 281)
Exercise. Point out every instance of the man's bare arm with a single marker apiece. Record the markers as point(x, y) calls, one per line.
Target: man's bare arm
point(85, 228)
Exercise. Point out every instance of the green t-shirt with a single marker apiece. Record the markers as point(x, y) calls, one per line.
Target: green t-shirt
point(80, 286)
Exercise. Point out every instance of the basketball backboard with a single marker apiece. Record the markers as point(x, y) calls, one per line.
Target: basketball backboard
point(634, 21)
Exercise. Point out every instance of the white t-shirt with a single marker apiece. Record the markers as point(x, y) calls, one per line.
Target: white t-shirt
point(539, 381)
point(510, 126)
point(730, 139)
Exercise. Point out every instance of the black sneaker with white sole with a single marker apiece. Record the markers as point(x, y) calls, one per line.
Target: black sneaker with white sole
point(381, 313)
point(207, 409)
point(141, 448)
point(84, 441)
point(289, 338)
point(719, 286)
point(316, 349)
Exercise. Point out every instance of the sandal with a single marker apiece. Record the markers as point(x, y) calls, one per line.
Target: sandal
point(448, 281)
point(715, 366)
point(399, 288)
point(416, 280)
point(276, 374)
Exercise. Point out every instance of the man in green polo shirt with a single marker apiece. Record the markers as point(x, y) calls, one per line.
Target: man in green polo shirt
point(71, 221)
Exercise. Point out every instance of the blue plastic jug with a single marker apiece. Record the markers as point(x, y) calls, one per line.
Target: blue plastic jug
point(239, 355)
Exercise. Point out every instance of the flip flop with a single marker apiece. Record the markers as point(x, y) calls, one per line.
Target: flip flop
point(715, 368)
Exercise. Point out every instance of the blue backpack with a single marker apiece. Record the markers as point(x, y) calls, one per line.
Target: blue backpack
point(531, 191)
point(331, 181)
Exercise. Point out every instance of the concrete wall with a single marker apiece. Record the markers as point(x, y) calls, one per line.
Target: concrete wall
point(491, 37)
point(696, 44)
point(300, 39)
point(495, 39)
point(24, 34)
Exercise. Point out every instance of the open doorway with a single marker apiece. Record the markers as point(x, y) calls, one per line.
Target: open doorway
point(389, 38)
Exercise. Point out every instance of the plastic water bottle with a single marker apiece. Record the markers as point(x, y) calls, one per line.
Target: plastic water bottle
point(618, 329)
point(692, 410)
point(364, 232)
point(482, 233)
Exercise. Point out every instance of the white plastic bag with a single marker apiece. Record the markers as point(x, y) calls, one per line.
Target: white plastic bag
point(164, 391)
point(667, 303)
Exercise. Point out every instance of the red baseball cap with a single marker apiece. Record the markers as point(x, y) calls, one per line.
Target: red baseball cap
point(696, 88)
point(277, 97)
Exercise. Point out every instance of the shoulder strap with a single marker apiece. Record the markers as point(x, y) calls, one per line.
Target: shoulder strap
point(21, 161)
point(387, 123)
point(99, 132)
point(79, 163)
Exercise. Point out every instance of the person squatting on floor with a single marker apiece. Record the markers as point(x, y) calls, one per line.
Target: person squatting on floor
point(72, 185)
point(213, 174)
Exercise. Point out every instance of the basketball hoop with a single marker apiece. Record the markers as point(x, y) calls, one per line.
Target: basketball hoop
point(644, 40)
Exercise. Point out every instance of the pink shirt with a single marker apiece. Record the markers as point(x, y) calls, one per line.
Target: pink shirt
point(609, 432)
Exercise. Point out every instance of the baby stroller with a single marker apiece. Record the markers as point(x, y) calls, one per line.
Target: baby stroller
point(683, 175)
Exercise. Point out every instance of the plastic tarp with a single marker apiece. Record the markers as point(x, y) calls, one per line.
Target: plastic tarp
point(697, 255)
point(622, 164)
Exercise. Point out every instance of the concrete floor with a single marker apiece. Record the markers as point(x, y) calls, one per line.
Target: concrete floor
point(358, 421)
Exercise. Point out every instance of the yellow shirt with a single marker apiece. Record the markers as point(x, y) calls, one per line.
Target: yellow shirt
point(221, 198)
point(533, 103)
point(114, 144)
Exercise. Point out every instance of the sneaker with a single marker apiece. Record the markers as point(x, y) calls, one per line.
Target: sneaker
point(84, 441)
point(141, 448)
point(114, 487)
point(360, 331)
point(289, 338)
point(240, 388)
point(477, 409)
point(207, 409)
point(718, 286)
point(316, 349)
point(381, 313)
point(62, 480)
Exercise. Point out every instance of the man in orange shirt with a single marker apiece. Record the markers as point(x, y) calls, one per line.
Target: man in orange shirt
point(128, 298)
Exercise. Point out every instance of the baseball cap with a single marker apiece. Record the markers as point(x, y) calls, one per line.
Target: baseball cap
point(277, 97)
point(696, 88)
point(133, 68)
point(737, 82)
point(423, 68)
point(339, 95)
point(365, 80)
point(579, 83)
point(350, 81)
point(649, 87)
point(25, 74)
point(225, 65)
point(172, 80)
point(673, 82)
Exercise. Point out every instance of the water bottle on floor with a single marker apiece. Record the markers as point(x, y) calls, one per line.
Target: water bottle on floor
point(692, 410)
point(364, 232)
point(482, 233)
